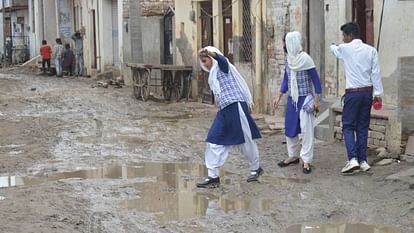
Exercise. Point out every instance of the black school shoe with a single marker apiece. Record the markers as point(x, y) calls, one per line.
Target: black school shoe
point(254, 175)
point(209, 183)
point(307, 170)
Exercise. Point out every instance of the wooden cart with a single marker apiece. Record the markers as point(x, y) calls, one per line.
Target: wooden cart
point(175, 81)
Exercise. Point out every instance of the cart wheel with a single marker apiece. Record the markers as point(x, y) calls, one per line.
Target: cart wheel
point(145, 89)
point(167, 85)
point(178, 86)
point(135, 77)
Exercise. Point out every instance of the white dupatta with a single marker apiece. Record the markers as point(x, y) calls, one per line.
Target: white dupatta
point(214, 83)
point(298, 60)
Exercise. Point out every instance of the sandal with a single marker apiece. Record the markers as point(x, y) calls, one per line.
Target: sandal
point(284, 164)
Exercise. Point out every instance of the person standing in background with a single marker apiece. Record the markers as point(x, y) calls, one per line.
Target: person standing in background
point(58, 56)
point(46, 53)
point(78, 39)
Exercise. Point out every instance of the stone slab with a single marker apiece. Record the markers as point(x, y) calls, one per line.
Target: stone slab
point(409, 150)
point(385, 162)
point(409, 173)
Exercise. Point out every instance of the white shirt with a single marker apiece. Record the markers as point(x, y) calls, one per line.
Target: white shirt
point(361, 65)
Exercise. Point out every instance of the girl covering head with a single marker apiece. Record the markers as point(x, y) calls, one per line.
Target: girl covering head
point(233, 125)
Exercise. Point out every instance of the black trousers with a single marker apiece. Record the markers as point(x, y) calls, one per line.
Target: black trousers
point(44, 63)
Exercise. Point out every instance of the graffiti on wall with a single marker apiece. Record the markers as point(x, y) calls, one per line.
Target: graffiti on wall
point(65, 20)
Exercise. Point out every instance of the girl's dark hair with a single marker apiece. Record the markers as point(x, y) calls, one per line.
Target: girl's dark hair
point(44, 42)
point(67, 46)
point(58, 40)
point(351, 28)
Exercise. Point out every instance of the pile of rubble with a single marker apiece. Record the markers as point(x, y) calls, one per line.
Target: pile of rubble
point(116, 83)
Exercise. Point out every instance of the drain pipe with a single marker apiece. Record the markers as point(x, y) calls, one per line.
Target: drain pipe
point(98, 36)
point(258, 54)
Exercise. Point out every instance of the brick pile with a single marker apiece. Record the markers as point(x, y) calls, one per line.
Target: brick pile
point(155, 7)
point(376, 133)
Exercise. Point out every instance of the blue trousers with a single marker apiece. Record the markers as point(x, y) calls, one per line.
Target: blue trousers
point(356, 116)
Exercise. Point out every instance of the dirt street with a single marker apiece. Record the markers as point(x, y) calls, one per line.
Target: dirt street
point(79, 159)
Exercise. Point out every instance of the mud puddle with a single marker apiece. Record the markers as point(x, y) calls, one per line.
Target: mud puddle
point(170, 203)
point(170, 194)
point(342, 228)
point(159, 170)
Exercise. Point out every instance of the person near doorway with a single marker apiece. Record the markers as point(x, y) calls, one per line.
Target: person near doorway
point(58, 56)
point(363, 83)
point(68, 60)
point(78, 39)
point(301, 82)
point(233, 125)
point(46, 53)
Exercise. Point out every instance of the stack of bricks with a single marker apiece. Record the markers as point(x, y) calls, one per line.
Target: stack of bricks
point(376, 133)
point(155, 7)
point(126, 8)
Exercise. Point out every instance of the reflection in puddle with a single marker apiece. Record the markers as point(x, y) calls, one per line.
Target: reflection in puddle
point(182, 202)
point(162, 170)
point(342, 228)
point(170, 195)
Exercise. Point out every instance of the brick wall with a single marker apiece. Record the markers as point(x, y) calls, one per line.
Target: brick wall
point(376, 133)
point(156, 7)
point(126, 8)
point(406, 94)
point(278, 23)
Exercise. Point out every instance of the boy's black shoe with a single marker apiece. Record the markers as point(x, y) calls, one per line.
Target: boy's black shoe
point(254, 175)
point(209, 183)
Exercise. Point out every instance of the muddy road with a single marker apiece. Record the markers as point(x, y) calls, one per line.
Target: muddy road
point(79, 159)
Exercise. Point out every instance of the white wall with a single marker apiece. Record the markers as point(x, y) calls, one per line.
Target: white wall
point(105, 26)
point(396, 40)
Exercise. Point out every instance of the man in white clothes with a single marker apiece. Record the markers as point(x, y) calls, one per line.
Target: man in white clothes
point(363, 82)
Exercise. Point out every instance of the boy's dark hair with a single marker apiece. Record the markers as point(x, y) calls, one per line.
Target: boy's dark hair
point(58, 40)
point(44, 42)
point(351, 28)
point(67, 46)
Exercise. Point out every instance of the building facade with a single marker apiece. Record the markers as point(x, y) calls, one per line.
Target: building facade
point(14, 38)
point(99, 21)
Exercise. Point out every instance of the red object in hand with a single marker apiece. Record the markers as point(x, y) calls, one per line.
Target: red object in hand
point(377, 105)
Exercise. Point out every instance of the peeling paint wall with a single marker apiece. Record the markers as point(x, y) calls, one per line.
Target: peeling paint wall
point(282, 16)
point(396, 40)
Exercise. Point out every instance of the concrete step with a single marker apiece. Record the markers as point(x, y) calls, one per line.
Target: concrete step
point(324, 133)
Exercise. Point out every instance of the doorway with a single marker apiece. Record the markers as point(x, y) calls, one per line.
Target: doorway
point(363, 15)
point(316, 36)
point(206, 40)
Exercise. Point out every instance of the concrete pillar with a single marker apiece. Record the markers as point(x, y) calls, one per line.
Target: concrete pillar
point(258, 98)
point(237, 19)
point(196, 71)
point(218, 24)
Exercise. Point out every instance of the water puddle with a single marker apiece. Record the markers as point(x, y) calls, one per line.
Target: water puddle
point(159, 170)
point(342, 228)
point(170, 194)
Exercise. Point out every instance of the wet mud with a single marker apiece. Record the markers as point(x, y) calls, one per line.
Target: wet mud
point(80, 159)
